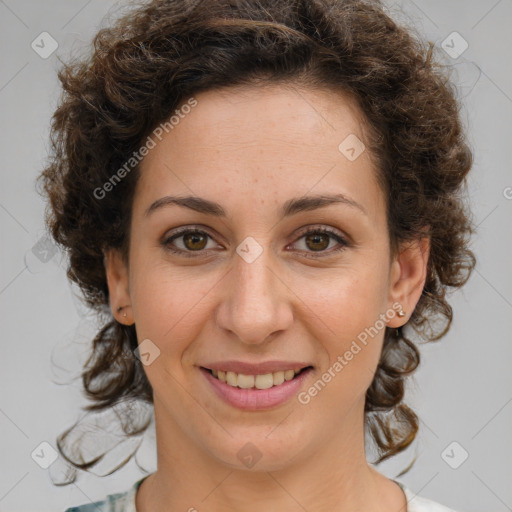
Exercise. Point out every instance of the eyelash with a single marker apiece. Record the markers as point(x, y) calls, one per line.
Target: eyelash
point(190, 254)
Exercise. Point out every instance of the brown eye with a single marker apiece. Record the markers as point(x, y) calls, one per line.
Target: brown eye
point(318, 241)
point(195, 241)
point(190, 241)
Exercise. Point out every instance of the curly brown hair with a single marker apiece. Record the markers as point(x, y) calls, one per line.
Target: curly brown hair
point(150, 60)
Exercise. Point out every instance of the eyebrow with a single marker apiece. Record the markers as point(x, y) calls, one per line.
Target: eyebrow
point(290, 207)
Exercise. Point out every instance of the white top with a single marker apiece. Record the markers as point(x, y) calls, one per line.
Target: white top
point(125, 502)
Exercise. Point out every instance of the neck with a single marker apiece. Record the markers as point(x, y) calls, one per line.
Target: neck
point(332, 476)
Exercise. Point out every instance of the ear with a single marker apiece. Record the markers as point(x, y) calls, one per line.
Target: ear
point(407, 278)
point(117, 279)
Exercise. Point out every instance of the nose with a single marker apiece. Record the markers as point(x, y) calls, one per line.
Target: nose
point(256, 301)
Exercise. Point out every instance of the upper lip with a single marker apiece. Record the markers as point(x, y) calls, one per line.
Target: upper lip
point(255, 368)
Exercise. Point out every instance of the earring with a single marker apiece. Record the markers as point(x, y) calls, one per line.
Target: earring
point(401, 313)
point(120, 308)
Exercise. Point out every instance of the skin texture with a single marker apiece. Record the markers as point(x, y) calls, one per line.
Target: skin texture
point(252, 149)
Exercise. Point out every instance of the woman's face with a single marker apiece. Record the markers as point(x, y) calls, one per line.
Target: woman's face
point(251, 286)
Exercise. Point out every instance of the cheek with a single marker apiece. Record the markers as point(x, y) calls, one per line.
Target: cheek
point(352, 342)
point(346, 300)
point(347, 307)
point(169, 306)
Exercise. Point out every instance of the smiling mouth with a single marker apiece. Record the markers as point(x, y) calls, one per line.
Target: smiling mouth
point(266, 381)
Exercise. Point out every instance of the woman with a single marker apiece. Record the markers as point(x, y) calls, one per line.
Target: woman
point(267, 197)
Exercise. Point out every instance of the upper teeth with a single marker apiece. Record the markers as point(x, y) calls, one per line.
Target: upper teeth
point(265, 381)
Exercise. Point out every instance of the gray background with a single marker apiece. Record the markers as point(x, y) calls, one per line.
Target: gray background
point(462, 391)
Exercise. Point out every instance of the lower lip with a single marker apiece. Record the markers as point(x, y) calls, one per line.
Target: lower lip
point(257, 399)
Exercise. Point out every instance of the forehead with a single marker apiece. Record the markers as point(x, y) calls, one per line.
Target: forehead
point(266, 144)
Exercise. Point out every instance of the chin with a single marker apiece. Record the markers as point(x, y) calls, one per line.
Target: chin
point(258, 452)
